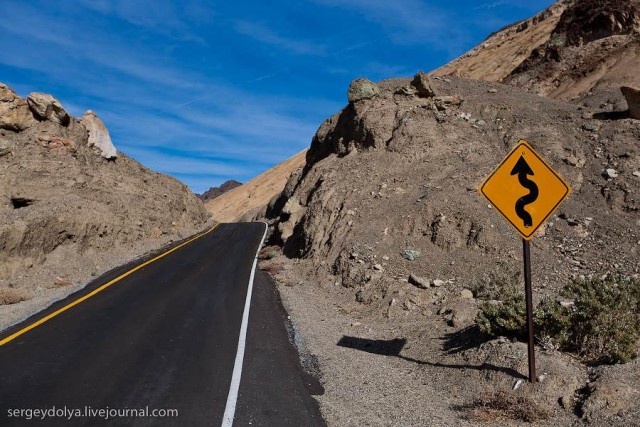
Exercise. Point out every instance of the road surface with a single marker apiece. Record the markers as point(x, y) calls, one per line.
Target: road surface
point(164, 338)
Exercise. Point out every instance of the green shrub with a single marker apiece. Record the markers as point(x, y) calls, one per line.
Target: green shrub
point(505, 313)
point(552, 322)
point(602, 325)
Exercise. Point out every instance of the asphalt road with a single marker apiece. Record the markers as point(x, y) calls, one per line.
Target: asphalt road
point(165, 337)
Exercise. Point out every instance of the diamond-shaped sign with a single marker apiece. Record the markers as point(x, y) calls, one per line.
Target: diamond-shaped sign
point(525, 190)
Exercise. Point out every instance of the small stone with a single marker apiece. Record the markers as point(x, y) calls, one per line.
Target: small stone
point(590, 127)
point(356, 324)
point(481, 122)
point(493, 90)
point(410, 254)
point(437, 283)
point(636, 173)
point(61, 281)
point(385, 258)
point(466, 293)
point(353, 255)
point(610, 173)
point(443, 102)
point(418, 281)
point(378, 267)
point(571, 160)
point(5, 147)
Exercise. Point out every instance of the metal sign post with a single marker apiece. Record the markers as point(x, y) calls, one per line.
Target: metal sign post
point(526, 256)
point(524, 170)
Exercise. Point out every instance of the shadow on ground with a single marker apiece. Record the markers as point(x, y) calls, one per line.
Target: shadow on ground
point(453, 343)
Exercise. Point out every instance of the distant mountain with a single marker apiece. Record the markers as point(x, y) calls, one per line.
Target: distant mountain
point(247, 200)
point(214, 192)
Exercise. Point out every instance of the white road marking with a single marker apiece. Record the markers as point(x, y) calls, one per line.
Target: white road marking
point(232, 398)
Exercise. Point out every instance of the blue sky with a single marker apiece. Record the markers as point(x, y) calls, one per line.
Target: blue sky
point(213, 90)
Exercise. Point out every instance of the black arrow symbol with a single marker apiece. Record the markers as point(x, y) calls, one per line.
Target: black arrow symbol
point(523, 169)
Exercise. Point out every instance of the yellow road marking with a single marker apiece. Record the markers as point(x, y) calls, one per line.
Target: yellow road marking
point(101, 288)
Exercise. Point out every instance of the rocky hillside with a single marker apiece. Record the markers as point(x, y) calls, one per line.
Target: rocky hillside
point(245, 201)
point(400, 170)
point(214, 192)
point(386, 239)
point(72, 207)
point(570, 49)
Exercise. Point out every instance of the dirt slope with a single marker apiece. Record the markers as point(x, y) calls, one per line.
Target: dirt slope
point(246, 200)
point(568, 50)
point(505, 50)
point(67, 212)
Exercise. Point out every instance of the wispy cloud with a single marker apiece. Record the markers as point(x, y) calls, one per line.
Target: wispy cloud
point(209, 93)
point(265, 35)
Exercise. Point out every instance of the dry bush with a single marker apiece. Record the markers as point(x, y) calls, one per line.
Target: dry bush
point(274, 268)
point(506, 405)
point(268, 253)
point(12, 296)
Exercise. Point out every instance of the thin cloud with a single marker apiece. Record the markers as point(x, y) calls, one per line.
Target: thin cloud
point(265, 35)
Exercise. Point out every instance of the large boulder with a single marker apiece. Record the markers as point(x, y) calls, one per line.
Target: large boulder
point(46, 107)
point(632, 96)
point(14, 111)
point(360, 89)
point(98, 135)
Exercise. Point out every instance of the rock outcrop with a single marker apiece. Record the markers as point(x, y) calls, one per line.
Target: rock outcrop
point(14, 111)
point(98, 135)
point(46, 107)
point(362, 89)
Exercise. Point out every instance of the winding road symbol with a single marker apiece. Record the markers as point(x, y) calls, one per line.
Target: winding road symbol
point(522, 169)
point(525, 189)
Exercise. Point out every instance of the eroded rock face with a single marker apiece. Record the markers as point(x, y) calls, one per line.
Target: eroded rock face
point(632, 95)
point(14, 111)
point(98, 135)
point(360, 89)
point(46, 107)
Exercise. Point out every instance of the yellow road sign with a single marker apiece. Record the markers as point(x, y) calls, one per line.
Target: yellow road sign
point(525, 190)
